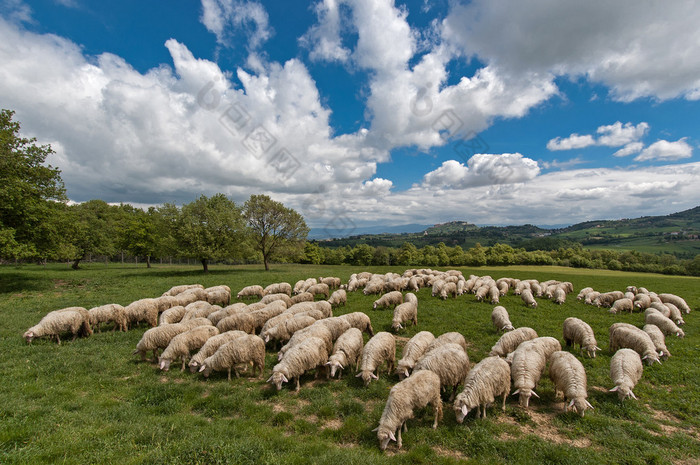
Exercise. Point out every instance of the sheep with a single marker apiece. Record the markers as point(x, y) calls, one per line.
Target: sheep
point(339, 297)
point(279, 288)
point(242, 350)
point(165, 302)
point(211, 346)
point(642, 301)
point(302, 297)
point(591, 297)
point(583, 293)
point(190, 296)
point(665, 324)
point(388, 300)
point(630, 295)
point(321, 289)
point(160, 336)
point(414, 349)
point(502, 286)
point(380, 348)
point(201, 309)
point(238, 321)
point(632, 289)
point(526, 369)
point(346, 352)
point(407, 311)
point(577, 331)
point(360, 321)
point(373, 287)
point(631, 337)
point(450, 362)
point(309, 354)
point(661, 308)
point(449, 289)
point(298, 287)
point(528, 299)
point(172, 315)
point(332, 282)
point(511, 340)
point(251, 291)
point(481, 293)
point(545, 345)
point(520, 287)
point(559, 296)
point(438, 284)
point(659, 340)
point(142, 310)
point(336, 325)
point(324, 307)
point(675, 315)
point(175, 290)
point(411, 394)
point(184, 343)
point(622, 305)
point(608, 298)
point(217, 315)
point(501, 320)
point(74, 320)
point(493, 295)
point(569, 377)
point(108, 313)
point(269, 298)
point(675, 300)
point(315, 330)
point(488, 379)
point(414, 284)
point(218, 295)
point(625, 371)
point(286, 329)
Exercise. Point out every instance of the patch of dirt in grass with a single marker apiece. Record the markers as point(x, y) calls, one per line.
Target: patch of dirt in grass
point(455, 454)
point(332, 424)
point(543, 429)
point(670, 424)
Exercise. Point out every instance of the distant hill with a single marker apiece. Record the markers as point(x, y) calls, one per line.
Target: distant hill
point(677, 234)
point(329, 233)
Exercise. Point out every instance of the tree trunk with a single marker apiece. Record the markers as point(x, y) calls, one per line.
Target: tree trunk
point(205, 264)
point(148, 261)
point(76, 262)
point(267, 266)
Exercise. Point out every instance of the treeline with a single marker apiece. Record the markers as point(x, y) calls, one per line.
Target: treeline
point(498, 255)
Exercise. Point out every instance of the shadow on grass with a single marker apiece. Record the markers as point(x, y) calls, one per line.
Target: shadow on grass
point(18, 282)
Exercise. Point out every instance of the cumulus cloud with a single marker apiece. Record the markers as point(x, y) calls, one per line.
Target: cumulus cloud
point(483, 169)
point(629, 149)
point(574, 141)
point(219, 15)
point(324, 39)
point(666, 151)
point(612, 135)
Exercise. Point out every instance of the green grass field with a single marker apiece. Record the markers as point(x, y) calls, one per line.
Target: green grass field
point(91, 401)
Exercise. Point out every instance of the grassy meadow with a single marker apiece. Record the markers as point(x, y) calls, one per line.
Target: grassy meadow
point(92, 401)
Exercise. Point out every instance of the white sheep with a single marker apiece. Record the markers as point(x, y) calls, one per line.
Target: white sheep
point(159, 337)
point(487, 380)
point(623, 335)
point(642, 301)
point(625, 371)
point(279, 288)
point(143, 310)
point(450, 362)
point(218, 295)
point(511, 340)
point(500, 319)
point(269, 298)
point(172, 315)
point(298, 287)
point(412, 351)
point(319, 289)
point(675, 313)
point(373, 287)
point(200, 309)
point(622, 305)
point(242, 350)
point(302, 297)
point(110, 313)
point(675, 300)
point(338, 298)
point(285, 330)
point(569, 377)
point(413, 393)
point(452, 337)
point(448, 290)
point(190, 296)
point(577, 331)
point(211, 346)
point(606, 299)
point(584, 292)
point(528, 299)
point(379, 349)
point(665, 324)
point(331, 281)
point(315, 330)
point(545, 345)
point(251, 291)
point(494, 295)
point(481, 293)
point(309, 354)
point(659, 340)
point(175, 290)
point(360, 321)
point(526, 369)
point(181, 345)
point(73, 320)
point(388, 300)
point(591, 297)
point(346, 352)
point(559, 296)
point(407, 311)
point(336, 325)
point(217, 315)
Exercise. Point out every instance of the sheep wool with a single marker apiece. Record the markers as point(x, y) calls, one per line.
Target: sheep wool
point(243, 350)
point(172, 315)
point(627, 336)
point(73, 320)
point(319, 289)
point(569, 376)
point(622, 305)
point(110, 313)
point(286, 329)
point(528, 299)
point(388, 300)
point(412, 351)
point(625, 372)
point(577, 331)
point(175, 290)
point(659, 340)
point(407, 311)
point(451, 337)
point(413, 393)
point(450, 362)
point(309, 354)
point(142, 310)
point(360, 321)
point(217, 315)
point(379, 349)
point(665, 324)
point(525, 371)
point(346, 352)
point(278, 296)
point(181, 345)
point(315, 330)
point(488, 379)
point(159, 337)
point(339, 297)
point(211, 346)
point(279, 288)
point(675, 300)
point(251, 291)
point(511, 340)
point(500, 319)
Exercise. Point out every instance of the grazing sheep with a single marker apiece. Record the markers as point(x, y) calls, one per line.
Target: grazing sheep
point(184, 343)
point(143, 310)
point(414, 393)
point(298, 287)
point(360, 321)
point(521, 286)
point(373, 287)
point(659, 339)
point(319, 289)
point(251, 291)
point(346, 352)
point(175, 290)
point(665, 324)
point(622, 305)
point(201, 309)
point(238, 321)
point(450, 362)
point(675, 315)
point(451, 337)
point(675, 300)
point(331, 282)
point(336, 325)
point(661, 308)
point(110, 313)
point(379, 349)
point(269, 298)
point(569, 377)
point(279, 319)
point(591, 297)
point(324, 307)
point(579, 332)
point(608, 298)
point(211, 346)
point(625, 371)
point(309, 354)
point(481, 293)
point(528, 299)
point(315, 330)
point(623, 335)
point(172, 315)
point(159, 337)
point(545, 345)
point(285, 330)
point(493, 295)
point(218, 295)
point(339, 297)
point(279, 288)
point(632, 289)
point(559, 296)
point(242, 350)
point(407, 311)
point(190, 296)
point(74, 320)
point(511, 340)
point(488, 379)
point(388, 300)
point(503, 287)
point(584, 292)
point(642, 301)
point(165, 302)
point(302, 297)
point(525, 370)
point(448, 290)
point(501, 320)
point(216, 316)
point(412, 351)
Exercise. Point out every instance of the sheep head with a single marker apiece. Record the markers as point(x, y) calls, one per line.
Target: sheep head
point(384, 436)
point(277, 379)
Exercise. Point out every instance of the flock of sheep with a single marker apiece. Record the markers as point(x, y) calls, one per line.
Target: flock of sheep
point(202, 329)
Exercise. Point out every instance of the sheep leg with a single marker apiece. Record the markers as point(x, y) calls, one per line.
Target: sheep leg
point(229, 374)
point(58, 339)
point(505, 394)
point(183, 364)
point(399, 441)
point(297, 387)
point(405, 426)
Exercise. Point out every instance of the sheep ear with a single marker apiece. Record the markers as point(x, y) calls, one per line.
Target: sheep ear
point(328, 363)
point(341, 366)
point(571, 404)
point(406, 373)
point(267, 338)
point(284, 378)
point(516, 392)
point(597, 348)
point(375, 429)
point(268, 379)
point(465, 410)
point(633, 396)
point(374, 376)
point(392, 437)
point(614, 389)
point(201, 369)
point(535, 394)
point(162, 365)
point(358, 375)
point(589, 405)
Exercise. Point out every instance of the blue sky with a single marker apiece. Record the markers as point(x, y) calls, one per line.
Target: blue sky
point(366, 112)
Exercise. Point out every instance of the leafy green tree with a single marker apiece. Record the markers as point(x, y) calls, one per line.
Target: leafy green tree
point(312, 254)
point(138, 233)
point(94, 230)
point(27, 186)
point(210, 229)
point(362, 255)
point(275, 229)
point(408, 255)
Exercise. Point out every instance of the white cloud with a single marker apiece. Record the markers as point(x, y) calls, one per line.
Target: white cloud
point(629, 149)
point(16, 11)
point(666, 151)
point(218, 15)
point(574, 141)
point(483, 169)
point(636, 52)
point(612, 135)
point(324, 38)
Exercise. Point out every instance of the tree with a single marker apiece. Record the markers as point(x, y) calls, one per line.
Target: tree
point(93, 230)
point(210, 229)
point(27, 187)
point(275, 229)
point(138, 233)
